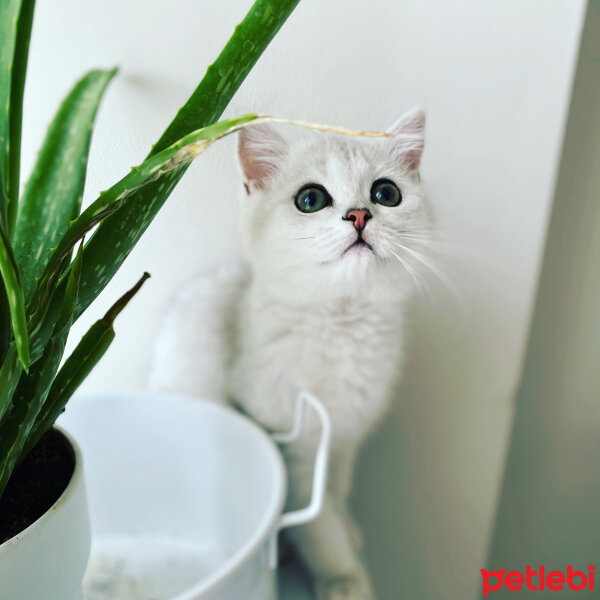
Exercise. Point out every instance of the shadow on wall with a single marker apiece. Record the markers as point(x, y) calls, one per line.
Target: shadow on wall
point(429, 507)
point(548, 512)
point(427, 482)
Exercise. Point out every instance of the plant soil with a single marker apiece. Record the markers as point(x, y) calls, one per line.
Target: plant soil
point(36, 484)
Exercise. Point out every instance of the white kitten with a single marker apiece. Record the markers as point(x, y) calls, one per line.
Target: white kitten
point(318, 306)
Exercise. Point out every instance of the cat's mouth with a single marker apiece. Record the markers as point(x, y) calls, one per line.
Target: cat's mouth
point(359, 243)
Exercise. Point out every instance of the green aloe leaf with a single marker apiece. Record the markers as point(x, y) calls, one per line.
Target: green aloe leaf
point(29, 399)
point(5, 333)
point(9, 15)
point(175, 157)
point(16, 17)
point(69, 302)
point(10, 373)
point(16, 302)
point(77, 367)
point(172, 159)
point(27, 402)
point(117, 235)
point(52, 197)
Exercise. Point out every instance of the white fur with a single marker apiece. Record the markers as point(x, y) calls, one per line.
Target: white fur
point(305, 314)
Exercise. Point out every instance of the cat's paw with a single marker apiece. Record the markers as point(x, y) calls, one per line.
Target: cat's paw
point(344, 588)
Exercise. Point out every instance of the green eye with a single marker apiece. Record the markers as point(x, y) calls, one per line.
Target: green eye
point(312, 198)
point(386, 193)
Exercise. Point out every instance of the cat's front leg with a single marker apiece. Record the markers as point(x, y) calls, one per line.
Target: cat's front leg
point(328, 548)
point(341, 475)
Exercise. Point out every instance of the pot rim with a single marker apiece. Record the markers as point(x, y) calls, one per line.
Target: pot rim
point(76, 476)
point(267, 525)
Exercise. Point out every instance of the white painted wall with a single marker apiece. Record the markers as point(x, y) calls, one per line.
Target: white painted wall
point(495, 79)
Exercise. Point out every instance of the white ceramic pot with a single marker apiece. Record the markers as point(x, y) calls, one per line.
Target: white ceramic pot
point(186, 497)
point(47, 560)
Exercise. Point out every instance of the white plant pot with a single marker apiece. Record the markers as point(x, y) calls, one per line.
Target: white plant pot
point(47, 560)
point(186, 497)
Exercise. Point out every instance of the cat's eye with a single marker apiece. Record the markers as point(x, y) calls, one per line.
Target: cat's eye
point(312, 198)
point(386, 193)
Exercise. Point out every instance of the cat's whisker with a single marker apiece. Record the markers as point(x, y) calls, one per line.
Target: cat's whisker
point(433, 268)
point(392, 233)
point(425, 261)
point(413, 274)
point(437, 246)
point(453, 243)
point(434, 234)
point(418, 236)
point(456, 252)
point(309, 237)
point(429, 240)
point(417, 232)
point(327, 246)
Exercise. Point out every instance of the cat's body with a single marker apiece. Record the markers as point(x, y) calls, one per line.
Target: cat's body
point(326, 315)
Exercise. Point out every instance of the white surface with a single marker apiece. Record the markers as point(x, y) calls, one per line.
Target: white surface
point(47, 560)
point(184, 497)
point(146, 567)
point(495, 80)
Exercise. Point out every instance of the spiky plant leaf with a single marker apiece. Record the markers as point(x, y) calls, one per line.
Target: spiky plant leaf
point(9, 15)
point(5, 332)
point(51, 318)
point(117, 235)
point(10, 373)
point(14, 294)
point(173, 158)
point(52, 197)
point(33, 388)
point(16, 17)
point(27, 402)
point(77, 367)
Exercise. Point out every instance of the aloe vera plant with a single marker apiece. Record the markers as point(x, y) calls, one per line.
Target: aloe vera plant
point(44, 288)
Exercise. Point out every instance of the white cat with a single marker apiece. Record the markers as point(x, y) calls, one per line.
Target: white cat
point(319, 304)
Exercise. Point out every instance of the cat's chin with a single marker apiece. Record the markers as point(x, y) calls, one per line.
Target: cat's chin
point(357, 260)
point(359, 248)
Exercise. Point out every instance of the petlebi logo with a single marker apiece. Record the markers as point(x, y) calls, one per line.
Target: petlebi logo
point(534, 580)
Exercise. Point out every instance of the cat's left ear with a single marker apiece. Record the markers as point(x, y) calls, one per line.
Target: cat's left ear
point(409, 137)
point(260, 149)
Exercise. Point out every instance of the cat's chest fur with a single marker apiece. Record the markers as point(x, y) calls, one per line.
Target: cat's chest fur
point(347, 352)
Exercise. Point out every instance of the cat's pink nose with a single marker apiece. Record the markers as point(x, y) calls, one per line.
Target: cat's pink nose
point(359, 216)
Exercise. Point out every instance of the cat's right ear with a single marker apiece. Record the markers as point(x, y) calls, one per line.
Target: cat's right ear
point(260, 149)
point(408, 132)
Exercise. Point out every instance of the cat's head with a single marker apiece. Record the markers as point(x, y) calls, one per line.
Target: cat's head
point(331, 214)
